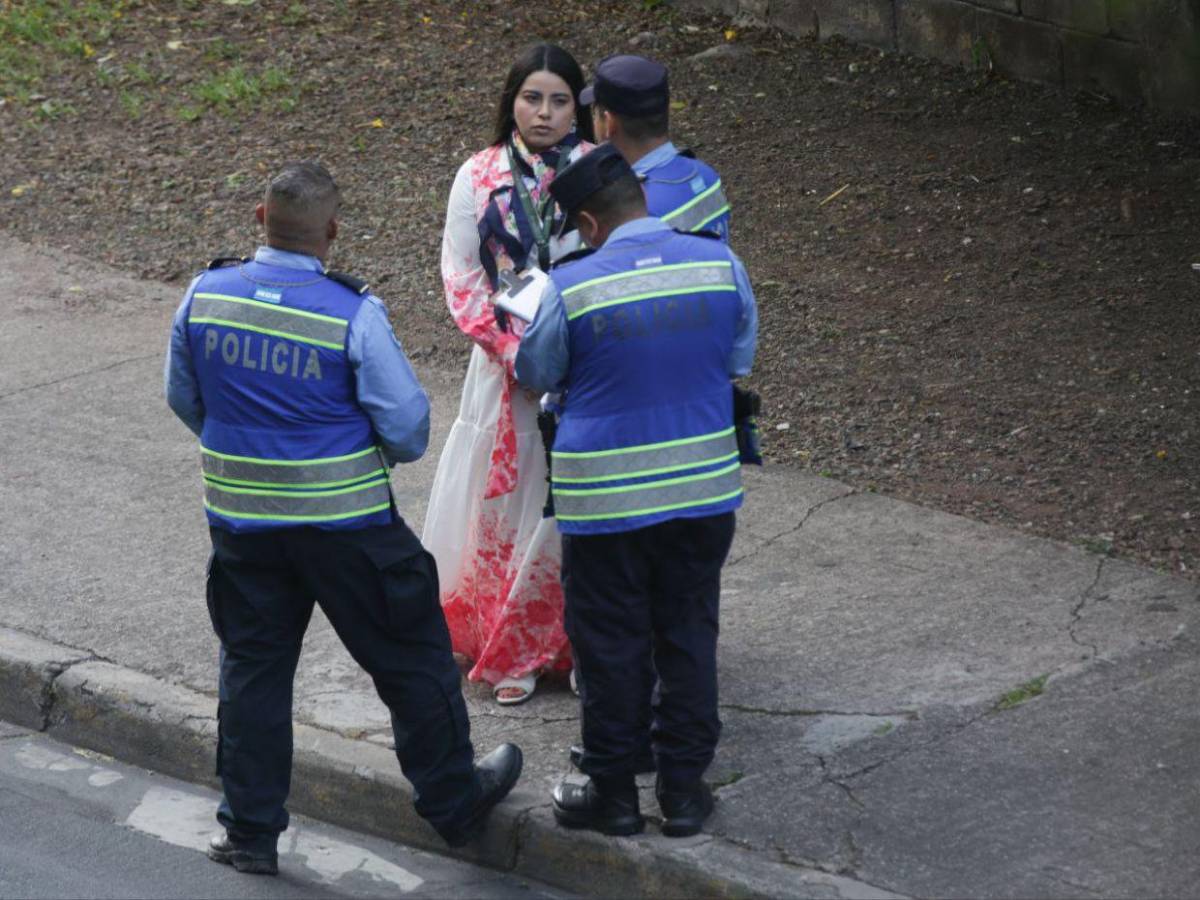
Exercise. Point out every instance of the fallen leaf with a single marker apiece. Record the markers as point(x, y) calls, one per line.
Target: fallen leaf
point(174, 45)
point(678, 104)
point(731, 34)
point(377, 123)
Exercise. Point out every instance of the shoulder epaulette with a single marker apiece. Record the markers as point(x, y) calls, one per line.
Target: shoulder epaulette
point(703, 232)
point(222, 261)
point(355, 284)
point(572, 256)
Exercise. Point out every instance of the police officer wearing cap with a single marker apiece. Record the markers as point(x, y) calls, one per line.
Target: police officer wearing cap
point(631, 105)
point(303, 399)
point(642, 336)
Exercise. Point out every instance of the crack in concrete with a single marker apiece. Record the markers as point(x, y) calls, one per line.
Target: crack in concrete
point(518, 832)
point(537, 720)
point(75, 375)
point(854, 854)
point(1077, 612)
point(839, 783)
point(950, 734)
point(911, 715)
point(48, 696)
point(812, 510)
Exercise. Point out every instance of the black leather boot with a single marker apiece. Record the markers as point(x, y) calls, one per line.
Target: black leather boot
point(497, 773)
point(610, 807)
point(223, 849)
point(684, 807)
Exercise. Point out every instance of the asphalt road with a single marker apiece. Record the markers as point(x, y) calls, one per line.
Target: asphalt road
point(76, 824)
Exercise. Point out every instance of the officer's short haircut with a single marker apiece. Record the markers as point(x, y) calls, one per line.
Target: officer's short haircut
point(303, 187)
point(616, 201)
point(643, 128)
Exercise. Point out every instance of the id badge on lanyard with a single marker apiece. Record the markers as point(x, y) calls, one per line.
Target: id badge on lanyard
point(540, 215)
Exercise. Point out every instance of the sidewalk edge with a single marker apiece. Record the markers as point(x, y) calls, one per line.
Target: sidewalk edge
point(93, 703)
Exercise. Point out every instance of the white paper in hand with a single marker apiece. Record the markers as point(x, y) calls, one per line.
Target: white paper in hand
point(520, 292)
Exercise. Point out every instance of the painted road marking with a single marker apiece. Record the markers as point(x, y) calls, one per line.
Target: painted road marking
point(186, 820)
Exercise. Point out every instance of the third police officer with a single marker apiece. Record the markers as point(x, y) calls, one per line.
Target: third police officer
point(643, 336)
point(631, 106)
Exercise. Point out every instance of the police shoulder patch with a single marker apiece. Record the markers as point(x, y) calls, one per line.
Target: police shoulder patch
point(355, 284)
point(222, 261)
point(572, 256)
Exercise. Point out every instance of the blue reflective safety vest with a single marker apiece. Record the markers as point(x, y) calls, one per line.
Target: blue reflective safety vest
point(285, 443)
point(646, 432)
point(687, 194)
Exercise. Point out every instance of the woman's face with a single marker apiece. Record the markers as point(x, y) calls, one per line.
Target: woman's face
point(544, 110)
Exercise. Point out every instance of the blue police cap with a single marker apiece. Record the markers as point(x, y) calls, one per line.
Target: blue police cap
point(629, 86)
point(595, 170)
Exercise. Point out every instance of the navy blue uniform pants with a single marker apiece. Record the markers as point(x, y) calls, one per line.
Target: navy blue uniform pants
point(642, 613)
point(378, 588)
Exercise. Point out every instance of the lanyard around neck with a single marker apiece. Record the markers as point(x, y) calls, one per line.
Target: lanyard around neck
point(540, 215)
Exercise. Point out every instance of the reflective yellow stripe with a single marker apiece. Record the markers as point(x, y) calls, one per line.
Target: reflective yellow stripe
point(700, 210)
point(644, 460)
point(312, 506)
point(310, 473)
point(649, 497)
point(268, 318)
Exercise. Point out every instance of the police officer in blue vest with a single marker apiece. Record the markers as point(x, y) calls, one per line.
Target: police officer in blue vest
point(303, 399)
point(631, 106)
point(642, 336)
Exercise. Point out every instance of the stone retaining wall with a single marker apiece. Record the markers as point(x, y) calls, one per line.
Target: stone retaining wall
point(1134, 50)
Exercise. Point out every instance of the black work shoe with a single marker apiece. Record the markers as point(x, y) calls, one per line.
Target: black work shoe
point(684, 809)
point(497, 773)
point(586, 806)
point(222, 849)
point(642, 764)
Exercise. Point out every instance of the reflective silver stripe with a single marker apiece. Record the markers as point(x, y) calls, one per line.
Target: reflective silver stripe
point(699, 211)
point(643, 284)
point(267, 318)
point(650, 497)
point(651, 459)
point(303, 473)
point(297, 506)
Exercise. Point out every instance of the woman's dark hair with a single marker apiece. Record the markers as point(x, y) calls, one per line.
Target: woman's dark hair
point(538, 58)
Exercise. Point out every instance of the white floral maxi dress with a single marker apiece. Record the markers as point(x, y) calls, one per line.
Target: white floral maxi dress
point(498, 558)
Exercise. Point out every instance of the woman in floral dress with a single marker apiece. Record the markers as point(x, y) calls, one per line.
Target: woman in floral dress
point(498, 558)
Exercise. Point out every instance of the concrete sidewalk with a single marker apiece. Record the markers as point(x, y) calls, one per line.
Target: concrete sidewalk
point(866, 648)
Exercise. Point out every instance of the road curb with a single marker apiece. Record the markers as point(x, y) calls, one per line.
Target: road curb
point(75, 697)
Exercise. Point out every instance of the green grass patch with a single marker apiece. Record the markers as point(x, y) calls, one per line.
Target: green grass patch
point(236, 88)
point(133, 104)
point(1023, 692)
point(40, 37)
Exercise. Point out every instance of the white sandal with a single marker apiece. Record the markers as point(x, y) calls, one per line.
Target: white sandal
point(526, 684)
